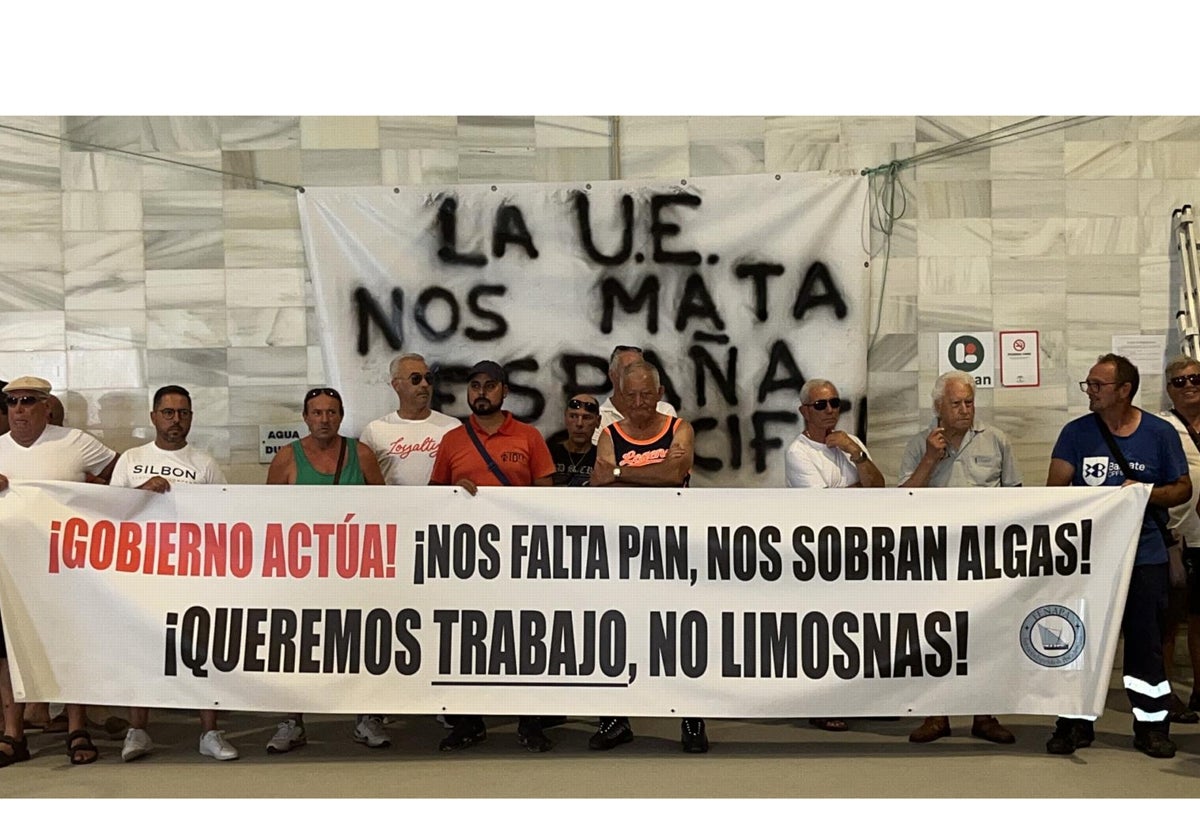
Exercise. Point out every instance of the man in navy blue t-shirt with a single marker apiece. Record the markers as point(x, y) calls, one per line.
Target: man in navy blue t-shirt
point(1082, 458)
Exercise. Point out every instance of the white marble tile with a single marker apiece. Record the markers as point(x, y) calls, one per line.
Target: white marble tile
point(954, 237)
point(185, 171)
point(784, 153)
point(242, 471)
point(945, 130)
point(420, 132)
point(1163, 197)
point(106, 368)
point(972, 166)
point(804, 129)
point(1168, 128)
point(185, 328)
point(279, 165)
point(904, 240)
point(182, 210)
point(427, 166)
point(266, 404)
point(107, 211)
point(267, 366)
point(113, 408)
point(955, 275)
point(211, 403)
point(1104, 274)
point(105, 290)
point(720, 131)
point(1114, 314)
point(654, 131)
point(103, 251)
point(572, 164)
point(892, 407)
point(211, 439)
point(122, 329)
point(27, 330)
point(1028, 199)
point(1102, 198)
point(263, 249)
point(114, 132)
point(28, 163)
point(572, 132)
point(1036, 158)
point(1028, 237)
point(1169, 159)
point(1100, 159)
point(24, 251)
point(260, 210)
point(726, 159)
point(1102, 236)
point(1159, 306)
point(893, 353)
point(901, 276)
point(180, 134)
point(896, 315)
point(31, 211)
point(1157, 235)
point(954, 199)
point(252, 133)
point(496, 131)
point(50, 365)
point(267, 327)
point(316, 364)
point(269, 287)
point(184, 249)
point(1028, 312)
point(180, 288)
point(654, 162)
point(879, 130)
point(339, 132)
point(1106, 128)
point(31, 290)
point(100, 171)
point(340, 168)
point(499, 165)
point(1037, 428)
point(205, 368)
point(950, 313)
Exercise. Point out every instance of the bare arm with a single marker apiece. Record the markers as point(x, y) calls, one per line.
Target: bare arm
point(1169, 495)
point(666, 473)
point(369, 464)
point(869, 474)
point(106, 474)
point(606, 461)
point(283, 467)
point(1061, 473)
point(935, 451)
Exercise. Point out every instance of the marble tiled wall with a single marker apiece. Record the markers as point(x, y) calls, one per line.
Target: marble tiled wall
point(120, 273)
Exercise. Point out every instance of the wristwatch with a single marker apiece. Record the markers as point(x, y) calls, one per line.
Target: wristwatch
point(862, 456)
point(616, 472)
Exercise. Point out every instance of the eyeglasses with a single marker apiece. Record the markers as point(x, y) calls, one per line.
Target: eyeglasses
point(1093, 385)
point(172, 413)
point(316, 392)
point(820, 405)
point(589, 407)
point(26, 401)
point(415, 378)
point(1178, 381)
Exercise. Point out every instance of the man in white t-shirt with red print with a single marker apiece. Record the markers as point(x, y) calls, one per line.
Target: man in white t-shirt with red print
point(406, 441)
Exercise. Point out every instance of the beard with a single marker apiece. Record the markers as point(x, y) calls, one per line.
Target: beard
point(482, 407)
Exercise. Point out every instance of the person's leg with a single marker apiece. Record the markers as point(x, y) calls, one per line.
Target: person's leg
point(208, 720)
point(79, 742)
point(1144, 675)
point(14, 712)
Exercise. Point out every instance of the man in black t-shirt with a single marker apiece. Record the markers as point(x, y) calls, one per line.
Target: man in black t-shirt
point(575, 456)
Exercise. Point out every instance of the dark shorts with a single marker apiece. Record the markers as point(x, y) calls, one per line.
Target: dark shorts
point(3, 649)
point(1191, 562)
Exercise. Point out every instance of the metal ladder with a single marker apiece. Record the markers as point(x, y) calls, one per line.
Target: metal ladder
point(1188, 316)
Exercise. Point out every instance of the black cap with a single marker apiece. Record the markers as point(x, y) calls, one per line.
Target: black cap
point(489, 368)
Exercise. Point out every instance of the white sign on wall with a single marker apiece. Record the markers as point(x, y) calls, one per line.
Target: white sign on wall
point(1020, 362)
point(971, 353)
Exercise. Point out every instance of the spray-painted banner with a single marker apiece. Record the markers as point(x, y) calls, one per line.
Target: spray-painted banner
point(540, 601)
point(739, 288)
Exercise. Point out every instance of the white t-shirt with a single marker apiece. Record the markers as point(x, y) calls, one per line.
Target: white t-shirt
point(180, 466)
point(810, 464)
point(60, 454)
point(610, 415)
point(1183, 516)
point(406, 449)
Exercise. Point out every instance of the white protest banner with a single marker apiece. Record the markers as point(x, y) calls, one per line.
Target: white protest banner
point(736, 603)
point(739, 288)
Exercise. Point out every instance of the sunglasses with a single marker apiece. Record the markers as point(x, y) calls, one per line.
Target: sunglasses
point(316, 392)
point(27, 401)
point(1178, 381)
point(415, 378)
point(589, 407)
point(820, 405)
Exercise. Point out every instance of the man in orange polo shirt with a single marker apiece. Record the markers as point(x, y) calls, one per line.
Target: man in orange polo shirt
point(517, 457)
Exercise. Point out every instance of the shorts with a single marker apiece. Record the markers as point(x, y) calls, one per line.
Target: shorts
point(1191, 562)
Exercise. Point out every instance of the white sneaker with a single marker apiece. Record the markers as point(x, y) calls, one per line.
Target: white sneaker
point(214, 745)
point(137, 744)
point(369, 731)
point(287, 737)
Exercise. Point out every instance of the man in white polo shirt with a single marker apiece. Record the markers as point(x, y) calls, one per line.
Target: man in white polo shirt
point(405, 441)
point(155, 466)
point(35, 450)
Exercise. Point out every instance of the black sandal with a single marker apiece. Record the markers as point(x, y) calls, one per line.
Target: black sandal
point(20, 750)
point(73, 749)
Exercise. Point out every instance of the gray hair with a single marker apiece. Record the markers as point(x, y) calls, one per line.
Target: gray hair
point(1179, 363)
point(394, 367)
point(939, 386)
point(807, 388)
point(634, 367)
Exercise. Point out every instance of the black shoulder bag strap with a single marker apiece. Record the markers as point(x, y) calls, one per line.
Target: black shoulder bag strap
point(1155, 512)
point(337, 473)
point(487, 458)
point(1192, 433)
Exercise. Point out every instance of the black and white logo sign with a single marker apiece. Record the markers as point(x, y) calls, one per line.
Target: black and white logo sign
point(1053, 636)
